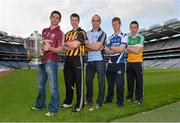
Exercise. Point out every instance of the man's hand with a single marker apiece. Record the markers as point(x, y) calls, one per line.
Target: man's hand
point(88, 42)
point(47, 47)
point(134, 49)
point(65, 48)
point(108, 51)
point(126, 51)
point(118, 49)
point(95, 47)
point(73, 45)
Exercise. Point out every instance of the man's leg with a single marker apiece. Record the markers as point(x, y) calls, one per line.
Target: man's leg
point(139, 82)
point(120, 84)
point(130, 81)
point(110, 75)
point(52, 69)
point(90, 72)
point(42, 78)
point(78, 69)
point(100, 68)
point(69, 82)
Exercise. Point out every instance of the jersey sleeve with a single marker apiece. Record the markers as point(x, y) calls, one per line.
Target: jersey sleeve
point(81, 36)
point(108, 42)
point(142, 40)
point(102, 37)
point(125, 39)
point(65, 37)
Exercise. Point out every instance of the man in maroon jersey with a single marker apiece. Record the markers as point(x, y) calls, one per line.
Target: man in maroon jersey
point(49, 67)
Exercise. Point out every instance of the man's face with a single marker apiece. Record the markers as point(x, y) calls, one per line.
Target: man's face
point(55, 19)
point(96, 22)
point(74, 22)
point(116, 26)
point(133, 28)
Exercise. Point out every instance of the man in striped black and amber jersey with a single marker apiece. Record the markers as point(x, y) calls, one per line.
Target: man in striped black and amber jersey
point(74, 68)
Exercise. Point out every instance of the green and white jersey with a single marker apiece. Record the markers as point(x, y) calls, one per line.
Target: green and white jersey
point(138, 40)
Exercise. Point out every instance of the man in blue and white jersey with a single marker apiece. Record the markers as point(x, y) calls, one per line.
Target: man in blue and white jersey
point(115, 47)
point(96, 63)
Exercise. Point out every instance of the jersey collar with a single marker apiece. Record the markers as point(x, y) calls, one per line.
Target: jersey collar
point(120, 34)
point(97, 30)
point(134, 36)
point(78, 29)
point(57, 28)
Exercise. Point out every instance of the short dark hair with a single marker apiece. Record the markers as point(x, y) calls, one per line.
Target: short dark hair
point(135, 22)
point(56, 12)
point(116, 19)
point(75, 15)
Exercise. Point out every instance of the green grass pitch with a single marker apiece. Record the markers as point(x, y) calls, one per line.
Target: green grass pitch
point(18, 92)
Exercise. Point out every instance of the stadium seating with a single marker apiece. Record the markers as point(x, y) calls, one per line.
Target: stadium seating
point(162, 45)
point(12, 48)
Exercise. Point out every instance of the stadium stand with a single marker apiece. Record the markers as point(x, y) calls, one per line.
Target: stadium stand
point(12, 52)
point(161, 48)
point(162, 45)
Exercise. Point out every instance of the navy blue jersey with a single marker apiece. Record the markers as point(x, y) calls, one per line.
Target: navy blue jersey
point(117, 40)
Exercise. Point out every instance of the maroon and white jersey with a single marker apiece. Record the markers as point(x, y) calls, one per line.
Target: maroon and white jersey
point(54, 38)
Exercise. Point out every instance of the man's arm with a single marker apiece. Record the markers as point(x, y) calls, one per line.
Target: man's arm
point(47, 47)
point(137, 48)
point(99, 45)
point(81, 37)
point(109, 51)
point(122, 46)
point(134, 49)
point(65, 48)
point(58, 49)
point(118, 49)
point(73, 45)
point(95, 47)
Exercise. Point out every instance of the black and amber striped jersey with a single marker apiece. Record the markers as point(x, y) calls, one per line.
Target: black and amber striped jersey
point(78, 35)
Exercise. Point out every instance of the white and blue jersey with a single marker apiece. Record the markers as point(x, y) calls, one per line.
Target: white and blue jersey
point(115, 41)
point(94, 37)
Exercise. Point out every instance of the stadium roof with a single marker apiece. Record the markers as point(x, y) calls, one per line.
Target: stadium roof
point(169, 28)
point(4, 37)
